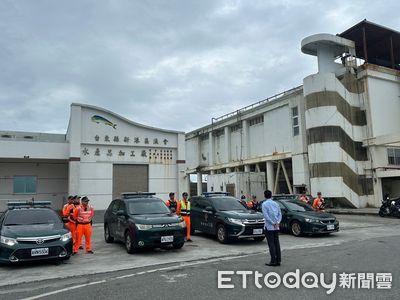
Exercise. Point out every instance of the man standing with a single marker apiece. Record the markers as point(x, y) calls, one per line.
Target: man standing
point(303, 197)
point(273, 216)
point(174, 206)
point(66, 210)
point(185, 213)
point(71, 219)
point(83, 216)
point(319, 202)
point(253, 204)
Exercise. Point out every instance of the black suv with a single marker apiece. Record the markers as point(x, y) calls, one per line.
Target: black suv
point(224, 216)
point(141, 220)
point(33, 231)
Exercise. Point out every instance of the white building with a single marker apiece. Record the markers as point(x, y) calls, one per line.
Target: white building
point(339, 133)
point(101, 155)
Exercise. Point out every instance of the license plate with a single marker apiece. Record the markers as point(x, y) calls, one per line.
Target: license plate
point(257, 231)
point(330, 227)
point(40, 251)
point(167, 239)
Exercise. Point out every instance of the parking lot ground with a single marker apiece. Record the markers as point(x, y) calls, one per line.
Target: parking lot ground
point(113, 257)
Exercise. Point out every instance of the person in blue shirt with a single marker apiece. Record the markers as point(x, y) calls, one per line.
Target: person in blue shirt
point(272, 216)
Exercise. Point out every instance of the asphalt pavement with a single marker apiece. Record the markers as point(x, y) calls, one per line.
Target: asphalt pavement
point(113, 257)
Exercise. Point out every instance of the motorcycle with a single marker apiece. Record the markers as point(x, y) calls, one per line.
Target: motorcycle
point(390, 207)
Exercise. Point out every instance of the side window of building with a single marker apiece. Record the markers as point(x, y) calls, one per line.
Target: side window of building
point(24, 184)
point(295, 121)
point(393, 156)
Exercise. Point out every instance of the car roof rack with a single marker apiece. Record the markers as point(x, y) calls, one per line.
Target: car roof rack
point(285, 196)
point(211, 194)
point(28, 204)
point(128, 195)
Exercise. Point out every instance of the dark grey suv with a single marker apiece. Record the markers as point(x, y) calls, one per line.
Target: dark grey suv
point(222, 215)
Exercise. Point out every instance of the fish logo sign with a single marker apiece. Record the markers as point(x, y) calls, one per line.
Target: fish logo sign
point(99, 119)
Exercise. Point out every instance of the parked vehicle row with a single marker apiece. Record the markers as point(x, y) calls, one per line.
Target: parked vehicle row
point(33, 231)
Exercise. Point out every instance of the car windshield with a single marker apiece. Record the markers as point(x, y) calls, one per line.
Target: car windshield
point(227, 203)
point(146, 207)
point(298, 206)
point(31, 217)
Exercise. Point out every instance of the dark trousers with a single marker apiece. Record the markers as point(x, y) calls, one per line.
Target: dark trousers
point(273, 245)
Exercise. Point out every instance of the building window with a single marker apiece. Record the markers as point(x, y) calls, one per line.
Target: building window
point(25, 184)
point(394, 156)
point(295, 121)
point(236, 127)
point(258, 120)
point(204, 137)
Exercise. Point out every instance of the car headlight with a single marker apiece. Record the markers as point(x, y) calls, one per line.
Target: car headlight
point(182, 224)
point(144, 226)
point(235, 221)
point(66, 237)
point(311, 220)
point(8, 241)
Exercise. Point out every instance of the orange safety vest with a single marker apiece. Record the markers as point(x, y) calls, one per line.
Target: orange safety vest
point(70, 209)
point(304, 199)
point(65, 211)
point(317, 202)
point(84, 216)
point(174, 205)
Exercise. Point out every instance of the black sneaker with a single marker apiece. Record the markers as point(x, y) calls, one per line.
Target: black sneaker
point(73, 253)
point(90, 252)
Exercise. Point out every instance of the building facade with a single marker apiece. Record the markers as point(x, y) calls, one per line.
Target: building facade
point(101, 156)
point(338, 133)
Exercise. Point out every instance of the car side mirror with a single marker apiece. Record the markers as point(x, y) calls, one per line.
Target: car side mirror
point(209, 208)
point(121, 213)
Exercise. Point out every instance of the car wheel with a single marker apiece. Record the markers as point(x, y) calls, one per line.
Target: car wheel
point(296, 228)
point(222, 235)
point(259, 238)
point(178, 245)
point(129, 243)
point(107, 235)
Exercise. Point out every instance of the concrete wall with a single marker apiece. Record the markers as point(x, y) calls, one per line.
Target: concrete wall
point(52, 181)
point(384, 104)
point(277, 130)
point(33, 149)
point(120, 141)
point(246, 183)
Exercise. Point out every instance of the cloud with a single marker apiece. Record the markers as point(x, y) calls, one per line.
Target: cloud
point(168, 64)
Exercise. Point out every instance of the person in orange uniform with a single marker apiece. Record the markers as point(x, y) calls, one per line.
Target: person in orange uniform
point(65, 210)
point(71, 220)
point(84, 215)
point(303, 197)
point(253, 204)
point(173, 205)
point(319, 202)
point(185, 214)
